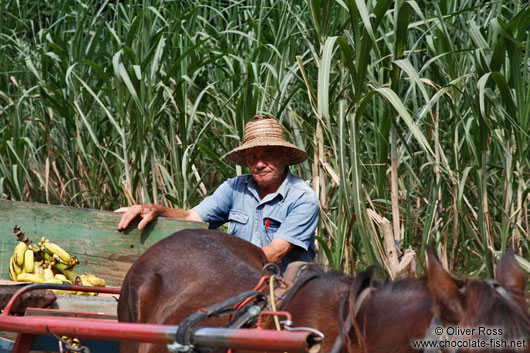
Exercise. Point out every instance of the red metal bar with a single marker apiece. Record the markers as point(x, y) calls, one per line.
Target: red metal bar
point(163, 334)
point(23, 343)
point(273, 313)
point(69, 287)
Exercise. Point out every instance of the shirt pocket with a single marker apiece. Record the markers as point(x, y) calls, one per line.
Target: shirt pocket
point(237, 220)
point(271, 225)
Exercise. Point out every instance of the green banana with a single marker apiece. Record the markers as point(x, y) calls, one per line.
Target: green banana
point(66, 270)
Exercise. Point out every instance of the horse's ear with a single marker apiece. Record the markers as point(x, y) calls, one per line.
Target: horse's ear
point(510, 275)
point(448, 302)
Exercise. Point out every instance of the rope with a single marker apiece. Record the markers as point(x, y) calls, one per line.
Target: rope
point(272, 301)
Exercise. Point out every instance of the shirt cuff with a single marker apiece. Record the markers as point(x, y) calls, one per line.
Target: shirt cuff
point(293, 241)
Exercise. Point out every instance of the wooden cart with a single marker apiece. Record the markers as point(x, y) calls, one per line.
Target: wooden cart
point(90, 235)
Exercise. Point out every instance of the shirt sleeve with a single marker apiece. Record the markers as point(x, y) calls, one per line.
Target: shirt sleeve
point(214, 209)
point(298, 228)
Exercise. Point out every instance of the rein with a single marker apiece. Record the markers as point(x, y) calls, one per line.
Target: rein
point(359, 300)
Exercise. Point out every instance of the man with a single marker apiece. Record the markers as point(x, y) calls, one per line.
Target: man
point(270, 208)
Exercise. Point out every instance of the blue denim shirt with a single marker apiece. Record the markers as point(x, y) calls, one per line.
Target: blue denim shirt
point(291, 214)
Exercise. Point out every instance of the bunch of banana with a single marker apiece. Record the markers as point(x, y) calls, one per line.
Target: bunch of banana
point(47, 262)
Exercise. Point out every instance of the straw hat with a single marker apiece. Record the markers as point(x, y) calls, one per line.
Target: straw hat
point(264, 130)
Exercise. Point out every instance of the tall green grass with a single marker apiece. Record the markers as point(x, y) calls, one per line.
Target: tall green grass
point(410, 110)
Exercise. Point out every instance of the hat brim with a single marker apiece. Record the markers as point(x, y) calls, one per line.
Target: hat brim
point(237, 155)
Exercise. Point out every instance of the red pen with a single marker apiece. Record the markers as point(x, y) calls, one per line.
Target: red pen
point(267, 223)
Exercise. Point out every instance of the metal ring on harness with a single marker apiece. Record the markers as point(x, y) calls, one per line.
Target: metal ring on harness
point(271, 265)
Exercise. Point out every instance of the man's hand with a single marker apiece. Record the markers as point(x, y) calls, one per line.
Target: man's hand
point(276, 250)
point(147, 212)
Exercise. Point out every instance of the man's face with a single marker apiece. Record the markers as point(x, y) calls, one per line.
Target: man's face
point(267, 164)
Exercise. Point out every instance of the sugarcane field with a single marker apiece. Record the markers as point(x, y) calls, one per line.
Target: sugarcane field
point(307, 176)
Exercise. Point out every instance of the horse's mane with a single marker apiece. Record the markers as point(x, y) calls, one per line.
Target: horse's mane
point(313, 272)
point(363, 281)
point(485, 305)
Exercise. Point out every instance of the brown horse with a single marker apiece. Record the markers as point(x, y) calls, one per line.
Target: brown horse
point(472, 315)
point(192, 269)
point(393, 316)
point(188, 270)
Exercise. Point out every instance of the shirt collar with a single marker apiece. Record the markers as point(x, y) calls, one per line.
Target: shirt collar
point(282, 190)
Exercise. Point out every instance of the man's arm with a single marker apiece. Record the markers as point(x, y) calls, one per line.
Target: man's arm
point(297, 229)
point(276, 250)
point(151, 211)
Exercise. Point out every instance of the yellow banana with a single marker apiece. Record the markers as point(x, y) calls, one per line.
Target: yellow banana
point(95, 281)
point(16, 268)
point(83, 280)
point(39, 271)
point(29, 264)
point(20, 249)
point(48, 274)
point(12, 272)
point(29, 277)
point(61, 277)
point(56, 249)
point(53, 280)
point(60, 291)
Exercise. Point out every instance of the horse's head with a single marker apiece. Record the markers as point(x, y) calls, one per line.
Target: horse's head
point(314, 299)
point(396, 315)
point(491, 311)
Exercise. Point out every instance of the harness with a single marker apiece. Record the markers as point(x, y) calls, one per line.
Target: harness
point(243, 309)
point(182, 343)
point(359, 300)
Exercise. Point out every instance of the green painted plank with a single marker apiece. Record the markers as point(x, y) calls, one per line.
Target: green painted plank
point(91, 235)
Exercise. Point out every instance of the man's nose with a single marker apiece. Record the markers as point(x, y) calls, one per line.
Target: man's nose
point(260, 162)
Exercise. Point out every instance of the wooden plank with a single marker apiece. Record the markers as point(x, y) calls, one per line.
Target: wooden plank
point(91, 235)
point(102, 303)
point(70, 313)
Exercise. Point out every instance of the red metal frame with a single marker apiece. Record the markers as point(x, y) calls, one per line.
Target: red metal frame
point(273, 313)
point(110, 330)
